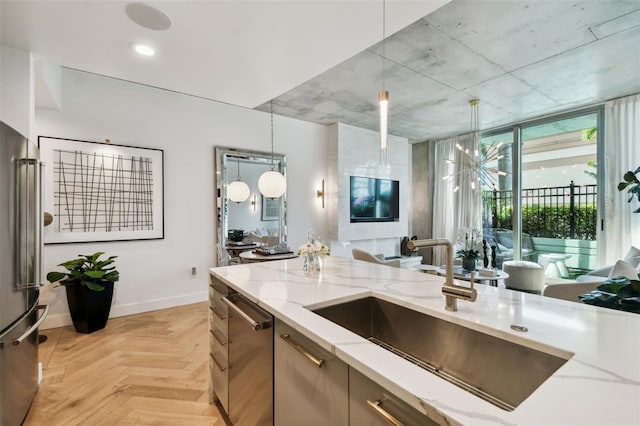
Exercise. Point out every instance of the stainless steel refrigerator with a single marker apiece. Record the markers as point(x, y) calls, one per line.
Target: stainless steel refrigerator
point(20, 273)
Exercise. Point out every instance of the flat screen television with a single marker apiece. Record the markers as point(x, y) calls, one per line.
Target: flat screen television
point(374, 200)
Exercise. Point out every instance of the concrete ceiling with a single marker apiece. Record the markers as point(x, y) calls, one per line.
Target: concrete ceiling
point(239, 52)
point(321, 61)
point(522, 59)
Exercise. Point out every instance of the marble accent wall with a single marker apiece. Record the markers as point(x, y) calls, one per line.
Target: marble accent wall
point(355, 151)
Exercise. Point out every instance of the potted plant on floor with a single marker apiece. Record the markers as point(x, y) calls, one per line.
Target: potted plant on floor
point(89, 286)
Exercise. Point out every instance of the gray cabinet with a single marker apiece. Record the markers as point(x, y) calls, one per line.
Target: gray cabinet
point(310, 385)
point(218, 343)
point(370, 404)
point(241, 357)
point(250, 363)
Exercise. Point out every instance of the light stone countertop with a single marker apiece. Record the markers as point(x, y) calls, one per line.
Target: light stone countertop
point(598, 385)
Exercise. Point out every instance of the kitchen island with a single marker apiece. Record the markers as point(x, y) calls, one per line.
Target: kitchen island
point(599, 384)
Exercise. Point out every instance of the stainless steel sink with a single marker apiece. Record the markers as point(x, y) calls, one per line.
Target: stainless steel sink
point(503, 373)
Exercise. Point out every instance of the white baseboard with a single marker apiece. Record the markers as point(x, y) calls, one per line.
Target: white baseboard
point(61, 320)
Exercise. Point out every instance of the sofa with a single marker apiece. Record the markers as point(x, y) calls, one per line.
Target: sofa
point(625, 267)
point(628, 266)
point(359, 254)
point(569, 290)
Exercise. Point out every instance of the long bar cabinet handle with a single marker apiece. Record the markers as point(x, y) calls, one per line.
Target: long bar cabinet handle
point(220, 340)
point(217, 313)
point(255, 325)
point(304, 352)
point(376, 407)
point(215, 361)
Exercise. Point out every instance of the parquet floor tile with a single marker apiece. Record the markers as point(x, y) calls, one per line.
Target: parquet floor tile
point(145, 369)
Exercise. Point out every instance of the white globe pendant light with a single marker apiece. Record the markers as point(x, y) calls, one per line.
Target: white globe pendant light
point(238, 191)
point(272, 184)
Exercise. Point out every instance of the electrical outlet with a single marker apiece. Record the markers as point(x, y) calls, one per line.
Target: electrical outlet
point(193, 271)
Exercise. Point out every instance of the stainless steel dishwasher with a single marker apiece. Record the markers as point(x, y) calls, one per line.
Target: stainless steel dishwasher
point(250, 362)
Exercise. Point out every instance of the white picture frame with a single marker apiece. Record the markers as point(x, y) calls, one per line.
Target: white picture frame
point(270, 208)
point(101, 192)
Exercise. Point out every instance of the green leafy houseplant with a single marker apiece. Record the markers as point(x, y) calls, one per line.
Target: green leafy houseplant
point(619, 293)
point(632, 182)
point(468, 255)
point(89, 286)
point(88, 271)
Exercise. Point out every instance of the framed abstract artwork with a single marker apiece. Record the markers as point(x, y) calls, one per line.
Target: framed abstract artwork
point(270, 208)
point(101, 191)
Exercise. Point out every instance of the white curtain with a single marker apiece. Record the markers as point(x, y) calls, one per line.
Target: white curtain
point(455, 211)
point(469, 194)
point(621, 154)
point(443, 225)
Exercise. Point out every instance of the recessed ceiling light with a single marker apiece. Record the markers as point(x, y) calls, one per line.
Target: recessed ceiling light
point(148, 17)
point(143, 49)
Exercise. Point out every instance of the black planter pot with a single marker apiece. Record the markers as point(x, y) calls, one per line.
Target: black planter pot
point(89, 309)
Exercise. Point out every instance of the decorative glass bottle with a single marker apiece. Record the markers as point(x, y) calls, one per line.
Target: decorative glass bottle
point(311, 257)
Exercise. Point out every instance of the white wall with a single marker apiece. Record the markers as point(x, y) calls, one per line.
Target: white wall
point(17, 90)
point(156, 274)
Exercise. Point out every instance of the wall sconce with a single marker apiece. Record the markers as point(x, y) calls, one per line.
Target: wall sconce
point(254, 202)
point(320, 193)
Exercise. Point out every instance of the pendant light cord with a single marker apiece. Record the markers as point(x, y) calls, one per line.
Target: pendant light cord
point(384, 52)
point(271, 105)
point(238, 177)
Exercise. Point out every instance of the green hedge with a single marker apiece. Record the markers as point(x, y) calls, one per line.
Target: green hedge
point(550, 222)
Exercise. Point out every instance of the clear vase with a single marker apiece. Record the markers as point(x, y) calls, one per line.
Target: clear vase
point(311, 263)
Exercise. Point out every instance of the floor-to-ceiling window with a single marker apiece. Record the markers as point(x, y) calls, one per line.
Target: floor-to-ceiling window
point(555, 189)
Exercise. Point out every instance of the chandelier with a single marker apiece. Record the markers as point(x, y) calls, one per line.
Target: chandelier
point(477, 165)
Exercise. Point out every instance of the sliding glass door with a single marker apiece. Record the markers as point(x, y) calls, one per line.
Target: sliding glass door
point(497, 194)
point(555, 191)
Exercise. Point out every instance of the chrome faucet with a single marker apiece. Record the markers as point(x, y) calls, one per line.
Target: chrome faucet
point(451, 291)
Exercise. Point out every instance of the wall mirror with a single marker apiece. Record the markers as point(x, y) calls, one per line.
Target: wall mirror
point(258, 217)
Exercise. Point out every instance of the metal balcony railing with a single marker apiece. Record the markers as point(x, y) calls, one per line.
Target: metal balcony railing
point(556, 212)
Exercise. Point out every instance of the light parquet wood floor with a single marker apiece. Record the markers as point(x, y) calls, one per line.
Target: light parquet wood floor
point(145, 369)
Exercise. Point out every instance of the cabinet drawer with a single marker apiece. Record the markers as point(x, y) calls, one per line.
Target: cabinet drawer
point(218, 340)
point(219, 316)
point(371, 404)
point(217, 324)
point(219, 368)
point(311, 385)
point(218, 303)
point(219, 287)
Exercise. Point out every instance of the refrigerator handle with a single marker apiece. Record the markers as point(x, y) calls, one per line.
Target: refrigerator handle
point(28, 220)
point(34, 327)
point(39, 219)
